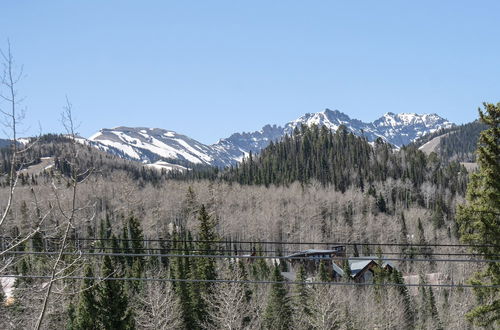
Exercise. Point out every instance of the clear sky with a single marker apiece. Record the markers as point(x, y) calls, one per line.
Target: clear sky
point(209, 68)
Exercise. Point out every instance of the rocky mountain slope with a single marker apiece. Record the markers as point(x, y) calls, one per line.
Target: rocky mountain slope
point(456, 143)
point(166, 148)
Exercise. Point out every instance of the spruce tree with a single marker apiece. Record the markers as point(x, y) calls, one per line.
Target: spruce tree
point(114, 312)
point(86, 312)
point(260, 269)
point(207, 236)
point(347, 270)
point(278, 313)
point(397, 278)
point(323, 274)
point(433, 312)
point(179, 269)
point(203, 268)
point(71, 317)
point(479, 219)
point(302, 294)
point(381, 204)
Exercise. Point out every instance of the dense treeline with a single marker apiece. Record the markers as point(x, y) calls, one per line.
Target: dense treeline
point(339, 159)
point(59, 147)
point(359, 192)
point(116, 304)
point(458, 143)
point(343, 160)
point(461, 144)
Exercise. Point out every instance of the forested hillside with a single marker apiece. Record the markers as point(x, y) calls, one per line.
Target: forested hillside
point(315, 186)
point(322, 222)
point(456, 144)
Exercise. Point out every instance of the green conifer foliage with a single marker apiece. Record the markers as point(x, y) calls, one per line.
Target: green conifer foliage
point(87, 309)
point(260, 269)
point(71, 316)
point(114, 312)
point(433, 312)
point(347, 270)
point(302, 294)
point(381, 204)
point(203, 268)
point(479, 219)
point(208, 236)
point(278, 313)
point(397, 277)
point(323, 273)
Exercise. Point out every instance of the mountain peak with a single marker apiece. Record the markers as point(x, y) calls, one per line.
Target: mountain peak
point(156, 145)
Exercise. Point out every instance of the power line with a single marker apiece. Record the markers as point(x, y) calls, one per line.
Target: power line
point(221, 256)
point(254, 282)
point(92, 248)
point(271, 242)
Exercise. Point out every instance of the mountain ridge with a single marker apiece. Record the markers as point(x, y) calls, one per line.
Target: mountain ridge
point(156, 145)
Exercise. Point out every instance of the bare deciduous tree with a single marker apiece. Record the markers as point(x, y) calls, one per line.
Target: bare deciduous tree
point(228, 308)
point(9, 80)
point(158, 307)
point(76, 177)
point(325, 308)
point(12, 117)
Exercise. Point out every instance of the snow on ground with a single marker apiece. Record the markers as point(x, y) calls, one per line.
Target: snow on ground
point(93, 137)
point(198, 153)
point(128, 150)
point(46, 163)
point(159, 165)
point(160, 148)
point(8, 287)
point(432, 145)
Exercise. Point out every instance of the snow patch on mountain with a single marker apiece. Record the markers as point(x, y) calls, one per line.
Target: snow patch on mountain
point(161, 147)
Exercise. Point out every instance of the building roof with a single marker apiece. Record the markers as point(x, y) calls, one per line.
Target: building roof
point(313, 252)
point(337, 269)
point(357, 264)
point(289, 276)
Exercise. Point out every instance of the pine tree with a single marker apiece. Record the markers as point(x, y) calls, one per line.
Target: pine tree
point(433, 312)
point(479, 219)
point(397, 277)
point(347, 270)
point(260, 269)
point(278, 313)
point(137, 247)
point(71, 317)
point(381, 204)
point(244, 277)
point(114, 312)
point(207, 236)
point(323, 274)
point(136, 235)
point(190, 203)
point(302, 293)
point(203, 268)
point(86, 311)
point(179, 269)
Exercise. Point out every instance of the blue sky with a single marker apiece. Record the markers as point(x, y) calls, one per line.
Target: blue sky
point(210, 68)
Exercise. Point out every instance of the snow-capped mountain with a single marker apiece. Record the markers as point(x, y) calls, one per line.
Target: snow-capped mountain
point(397, 129)
point(151, 145)
point(401, 129)
point(169, 149)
